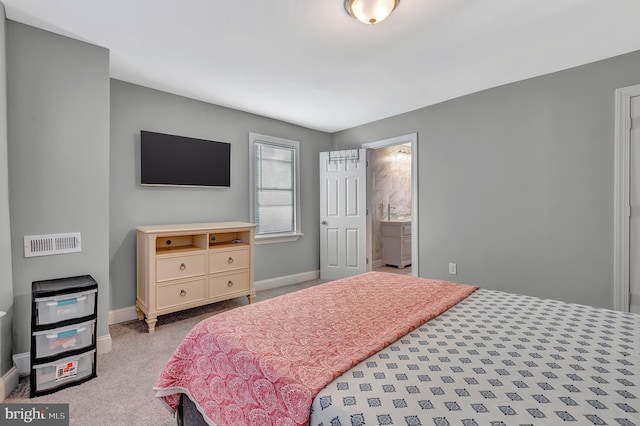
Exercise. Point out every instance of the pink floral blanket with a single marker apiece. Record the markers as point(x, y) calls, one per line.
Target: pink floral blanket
point(262, 364)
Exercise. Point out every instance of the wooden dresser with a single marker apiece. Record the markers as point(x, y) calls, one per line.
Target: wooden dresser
point(189, 265)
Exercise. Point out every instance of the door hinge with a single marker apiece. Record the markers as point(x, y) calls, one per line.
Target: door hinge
point(367, 260)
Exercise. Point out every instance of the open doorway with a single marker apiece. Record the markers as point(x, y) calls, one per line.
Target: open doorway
point(626, 272)
point(392, 204)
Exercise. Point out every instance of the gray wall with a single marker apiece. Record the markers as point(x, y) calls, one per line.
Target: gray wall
point(6, 280)
point(135, 108)
point(516, 182)
point(58, 150)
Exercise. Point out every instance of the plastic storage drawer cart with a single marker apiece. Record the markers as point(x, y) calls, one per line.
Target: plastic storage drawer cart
point(63, 333)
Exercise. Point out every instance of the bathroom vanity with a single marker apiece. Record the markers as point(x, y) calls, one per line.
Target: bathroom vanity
point(396, 242)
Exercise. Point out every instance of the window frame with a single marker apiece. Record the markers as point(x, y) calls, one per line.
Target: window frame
point(276, 237)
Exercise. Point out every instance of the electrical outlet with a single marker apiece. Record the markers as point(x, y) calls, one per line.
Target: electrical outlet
point(453, 268)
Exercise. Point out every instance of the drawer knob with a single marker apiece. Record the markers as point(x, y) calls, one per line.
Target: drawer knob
point(230, 260)
point(183, 266)
point(230, 283)
point(183, 293)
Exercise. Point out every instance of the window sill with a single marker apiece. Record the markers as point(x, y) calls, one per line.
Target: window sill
point(278, 238)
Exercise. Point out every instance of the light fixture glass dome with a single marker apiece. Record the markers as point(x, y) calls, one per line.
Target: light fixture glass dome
point(370, 11)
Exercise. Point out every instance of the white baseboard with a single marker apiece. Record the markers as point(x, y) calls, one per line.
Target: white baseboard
point(286, 280)
point(129, 313)
point(23, 363)
point(123, 315)
point(8, 383)
point(377, 263)
point(103, 344)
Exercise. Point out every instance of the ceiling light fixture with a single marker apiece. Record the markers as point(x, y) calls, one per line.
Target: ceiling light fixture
point(370, 11)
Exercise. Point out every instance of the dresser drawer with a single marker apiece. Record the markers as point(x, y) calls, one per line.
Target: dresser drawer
point(53, 342)
point(228, 283)
point(229, 260)
point(180, 293)
point(175, 267)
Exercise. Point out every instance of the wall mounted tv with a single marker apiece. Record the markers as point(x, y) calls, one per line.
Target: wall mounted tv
point(167, 160)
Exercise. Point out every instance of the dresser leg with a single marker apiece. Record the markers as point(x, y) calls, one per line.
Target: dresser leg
point(151, 323)
point(251, 297)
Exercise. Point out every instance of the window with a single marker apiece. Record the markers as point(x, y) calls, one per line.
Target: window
point(274, 176)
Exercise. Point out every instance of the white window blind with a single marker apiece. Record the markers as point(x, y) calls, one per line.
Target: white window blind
point(275, 195)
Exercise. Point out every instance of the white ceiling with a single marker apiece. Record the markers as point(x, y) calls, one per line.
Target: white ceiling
point(307, 62)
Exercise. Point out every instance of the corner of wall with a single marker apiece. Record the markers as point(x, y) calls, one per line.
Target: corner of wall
point(6, 276)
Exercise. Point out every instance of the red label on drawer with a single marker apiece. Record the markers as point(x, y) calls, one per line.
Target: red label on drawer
point(66, 370)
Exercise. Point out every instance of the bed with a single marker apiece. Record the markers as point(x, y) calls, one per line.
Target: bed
point(386, 349)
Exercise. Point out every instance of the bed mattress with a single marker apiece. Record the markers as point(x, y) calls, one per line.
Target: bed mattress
point(497, 358)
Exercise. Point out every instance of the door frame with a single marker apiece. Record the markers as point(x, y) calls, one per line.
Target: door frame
point(411, 138)
point(621, 207)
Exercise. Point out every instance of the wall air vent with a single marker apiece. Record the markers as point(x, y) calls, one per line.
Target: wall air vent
point(43, 245)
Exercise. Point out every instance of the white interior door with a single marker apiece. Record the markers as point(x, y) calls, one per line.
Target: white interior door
point(343, 185)
point(634, 201)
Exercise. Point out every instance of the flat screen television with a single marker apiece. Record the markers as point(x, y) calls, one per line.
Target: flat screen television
point(168, 160)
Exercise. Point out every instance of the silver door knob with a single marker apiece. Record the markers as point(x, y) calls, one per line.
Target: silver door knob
point(324, 222)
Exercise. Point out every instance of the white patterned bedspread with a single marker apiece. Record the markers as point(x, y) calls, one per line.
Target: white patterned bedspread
point(494, 359)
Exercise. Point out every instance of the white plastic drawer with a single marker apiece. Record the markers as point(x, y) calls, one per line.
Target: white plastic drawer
point(58, 340)
point(65, 306)
point(66, 370)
